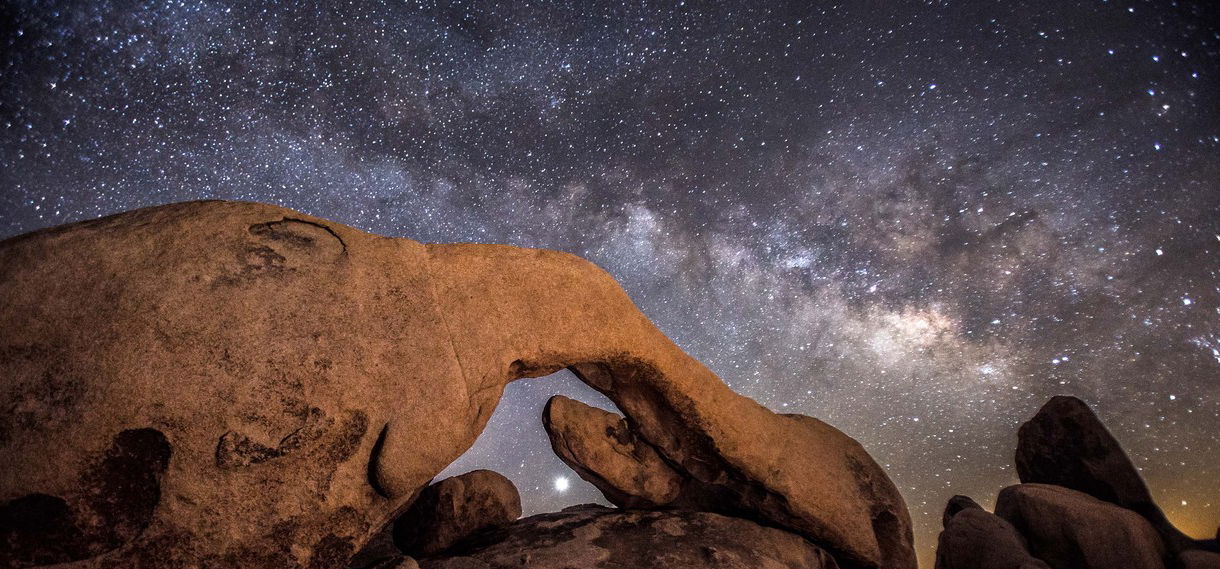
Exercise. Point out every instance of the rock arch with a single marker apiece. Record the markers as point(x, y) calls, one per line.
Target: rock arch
point(310, 378)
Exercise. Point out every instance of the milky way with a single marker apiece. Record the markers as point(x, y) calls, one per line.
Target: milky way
point(914, 220)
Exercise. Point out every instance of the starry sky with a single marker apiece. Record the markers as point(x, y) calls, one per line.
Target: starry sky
point(916, 221)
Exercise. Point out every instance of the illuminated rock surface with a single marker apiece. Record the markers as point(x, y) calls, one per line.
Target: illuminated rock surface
point(237, 384)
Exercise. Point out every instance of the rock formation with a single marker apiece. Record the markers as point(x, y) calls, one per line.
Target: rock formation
point(853, 494)
point(601, 447)
point(1073, 530)
point(455, 508)
point(237, 384)
point(1065, 444)
point(603, 538)
point(977, 539)
point(1083, 505)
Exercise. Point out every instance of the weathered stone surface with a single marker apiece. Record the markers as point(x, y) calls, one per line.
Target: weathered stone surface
point(1072, 530)
point(455, 508)
point(977, 539)
point(309, 378)
point(603, 450)
point(1065, 444)
point(631, 472)
point(601, 538)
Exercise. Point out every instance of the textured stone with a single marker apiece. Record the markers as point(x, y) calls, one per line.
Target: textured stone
point(974, 538)
point(309, 379)
point(1072, 530)
point(453, 509)
point(852, 490)
point(601, 538)
point(1065, 444)
point(603, 450)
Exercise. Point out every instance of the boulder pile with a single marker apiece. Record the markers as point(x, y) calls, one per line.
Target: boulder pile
point(1081, 504)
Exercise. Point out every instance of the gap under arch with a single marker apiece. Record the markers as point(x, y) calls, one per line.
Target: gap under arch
point(515, 444)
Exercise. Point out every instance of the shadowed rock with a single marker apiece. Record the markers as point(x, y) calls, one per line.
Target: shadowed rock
point(974, 538)
point(455, 508)
point(601, 538)
point(956, 504)
point(310, 378)
point(1065, 444)
point(1072, 530)
point(1199, 559)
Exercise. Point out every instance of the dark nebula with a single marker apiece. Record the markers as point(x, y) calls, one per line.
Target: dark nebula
point(915, 220)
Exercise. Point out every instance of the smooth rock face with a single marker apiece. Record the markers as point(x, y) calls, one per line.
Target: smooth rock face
point(977, 539)
point(1065, 444)
point(603, 450)
point(602, 538)
point(277, 387)
point(1072, 530)
point(453, 509)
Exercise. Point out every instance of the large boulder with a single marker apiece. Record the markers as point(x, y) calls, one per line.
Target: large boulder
point(241, 384)
point(1073, 530)
point(1065, 444)
point(601, 538)
point(455, 508)
point(974, 538)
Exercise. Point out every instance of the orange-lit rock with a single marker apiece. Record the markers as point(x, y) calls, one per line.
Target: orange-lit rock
point(239, 384)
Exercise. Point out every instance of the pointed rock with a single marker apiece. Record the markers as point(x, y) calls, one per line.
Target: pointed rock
point(1065, 444)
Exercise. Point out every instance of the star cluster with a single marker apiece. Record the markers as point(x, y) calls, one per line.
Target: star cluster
point(914, 220)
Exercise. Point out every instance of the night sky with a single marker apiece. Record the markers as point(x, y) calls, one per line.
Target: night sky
point(916, 221)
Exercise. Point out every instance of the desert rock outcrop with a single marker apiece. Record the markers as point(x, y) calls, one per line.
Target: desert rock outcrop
point(1065, 444)
point(1082, 505)
point(277, 387)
